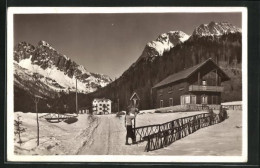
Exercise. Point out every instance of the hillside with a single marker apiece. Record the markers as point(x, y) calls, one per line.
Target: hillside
point(42, 70)
point(58, 71)
point(224, 47)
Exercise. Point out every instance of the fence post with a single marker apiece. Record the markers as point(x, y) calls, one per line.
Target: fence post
point(148, 144)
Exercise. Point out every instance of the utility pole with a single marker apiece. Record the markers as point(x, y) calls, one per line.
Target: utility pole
point(36, 100)
point(76, 97)
point(135, 116)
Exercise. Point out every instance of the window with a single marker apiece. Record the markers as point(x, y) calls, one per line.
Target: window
point(204, 99)
point(204, 83)
point(161, 103)
point(187, 99)
point(193, 99)
point(182, 100)
point(170, 102)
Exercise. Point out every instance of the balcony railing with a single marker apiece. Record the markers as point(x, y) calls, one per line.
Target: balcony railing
point(206, 88)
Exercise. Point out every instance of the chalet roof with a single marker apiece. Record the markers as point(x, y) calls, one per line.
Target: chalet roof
point(135, 95)
point(188, 72)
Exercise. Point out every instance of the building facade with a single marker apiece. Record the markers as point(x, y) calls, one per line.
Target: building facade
point(101, 106)
point(200, 84)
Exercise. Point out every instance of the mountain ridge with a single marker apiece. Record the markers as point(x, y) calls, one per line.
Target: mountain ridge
point(215, 29)
point(51, 64)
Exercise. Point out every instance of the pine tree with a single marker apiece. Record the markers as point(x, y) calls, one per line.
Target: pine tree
point(19, 129)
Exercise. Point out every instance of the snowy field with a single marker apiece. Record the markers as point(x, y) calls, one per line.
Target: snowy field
point(105, 135)
point(232, 103)
point(160, 118)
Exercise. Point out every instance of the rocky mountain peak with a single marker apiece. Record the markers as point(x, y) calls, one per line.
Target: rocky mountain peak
point(23, 50)
point(43, 43)
point(163, 43)
point(57, 68)
point(215, 29)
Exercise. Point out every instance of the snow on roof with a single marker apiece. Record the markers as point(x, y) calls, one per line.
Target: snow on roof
point(101, 99)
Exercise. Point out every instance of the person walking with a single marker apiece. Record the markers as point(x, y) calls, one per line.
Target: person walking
point(211, 117)
point(221, 117)
point(223, 113)
point(130, 115)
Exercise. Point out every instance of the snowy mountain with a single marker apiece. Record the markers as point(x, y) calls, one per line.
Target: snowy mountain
point(55, 70)
point(23, 79)
point(166, 41)
point(175, 51)
point(215, 29)
point(163, 43)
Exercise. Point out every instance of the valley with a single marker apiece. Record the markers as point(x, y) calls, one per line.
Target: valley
point(170, 53)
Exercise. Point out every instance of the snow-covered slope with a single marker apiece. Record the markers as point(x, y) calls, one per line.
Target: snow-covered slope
point(58, 71)
point(24, 79)
point(163, 43)
point(215, 29)
point(167, 40)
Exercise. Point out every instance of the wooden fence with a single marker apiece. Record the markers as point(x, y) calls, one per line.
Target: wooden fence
point(162, 135)
point(233, 107)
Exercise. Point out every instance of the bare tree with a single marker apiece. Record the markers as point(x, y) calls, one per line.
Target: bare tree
point(19, 129)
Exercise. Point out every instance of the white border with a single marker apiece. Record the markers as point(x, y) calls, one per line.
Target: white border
point(121, 158)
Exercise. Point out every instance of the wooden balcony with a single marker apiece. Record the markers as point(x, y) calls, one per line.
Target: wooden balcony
point(206, 88)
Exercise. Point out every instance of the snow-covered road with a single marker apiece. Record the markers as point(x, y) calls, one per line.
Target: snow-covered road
point(108, 138)
point(105, 135)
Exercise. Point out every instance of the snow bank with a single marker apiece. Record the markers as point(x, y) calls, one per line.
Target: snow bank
point(232, 103)
point(105, 135)
point(151, 118)
point(223, 139)
point(55, 138)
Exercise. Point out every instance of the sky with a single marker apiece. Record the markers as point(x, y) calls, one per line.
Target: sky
point(107, 43)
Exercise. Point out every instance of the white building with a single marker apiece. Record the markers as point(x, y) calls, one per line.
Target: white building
point(101, 106)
